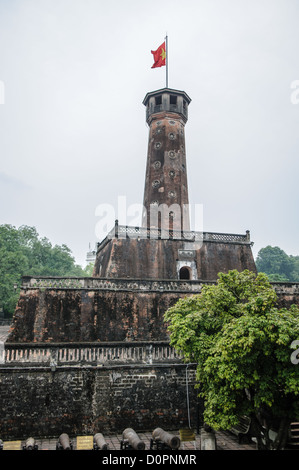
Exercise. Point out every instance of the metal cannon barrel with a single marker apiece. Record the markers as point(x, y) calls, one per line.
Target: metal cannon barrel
point(64, 441)
point(130, 435)
point(169, 439)
point(29, 444)
point(100, 442)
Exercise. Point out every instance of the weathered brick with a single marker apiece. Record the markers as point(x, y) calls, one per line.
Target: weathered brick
point(31, 404)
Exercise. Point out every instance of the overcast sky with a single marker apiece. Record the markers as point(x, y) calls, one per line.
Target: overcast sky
point(72, 125)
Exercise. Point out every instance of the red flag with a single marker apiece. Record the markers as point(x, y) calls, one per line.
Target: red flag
point(159, 56)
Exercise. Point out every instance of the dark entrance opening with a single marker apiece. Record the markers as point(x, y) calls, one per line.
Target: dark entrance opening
point(184, 273)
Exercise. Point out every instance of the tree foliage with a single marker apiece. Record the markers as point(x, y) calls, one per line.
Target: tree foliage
point(279, 266)
point(23, 252)
point(242, 346)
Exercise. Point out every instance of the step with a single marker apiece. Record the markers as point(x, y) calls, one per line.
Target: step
point(294, 445)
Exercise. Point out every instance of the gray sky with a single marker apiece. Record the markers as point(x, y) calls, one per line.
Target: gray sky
point(72, 126)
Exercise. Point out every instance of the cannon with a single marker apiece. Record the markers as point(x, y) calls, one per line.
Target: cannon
point(99, 442)
point(164, 440)
point(131, 440)
point(30, 444)
point(64, 442)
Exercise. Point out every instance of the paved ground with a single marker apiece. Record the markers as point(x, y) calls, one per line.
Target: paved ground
point(225, 441)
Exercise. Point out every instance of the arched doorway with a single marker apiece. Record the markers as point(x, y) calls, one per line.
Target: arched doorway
point(184, 273)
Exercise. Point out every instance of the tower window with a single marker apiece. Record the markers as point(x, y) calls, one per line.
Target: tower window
point(158, 100)
point(184, 273)
point(173, 99)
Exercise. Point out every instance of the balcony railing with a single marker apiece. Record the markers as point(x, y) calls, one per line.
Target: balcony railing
point(97, 354)
point(126, 231)
point(173, 108)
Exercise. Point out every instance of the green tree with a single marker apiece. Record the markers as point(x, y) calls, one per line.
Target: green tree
point(277, 264)
point(242, 346)
point(88, 270)
point(13, 262)
point(23, 252)
point(295, 271)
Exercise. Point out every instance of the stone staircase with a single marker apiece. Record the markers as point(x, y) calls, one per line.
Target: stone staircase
point(293, 442)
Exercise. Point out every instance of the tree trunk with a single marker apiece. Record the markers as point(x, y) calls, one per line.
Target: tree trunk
point(282, 435)
point(261, 434)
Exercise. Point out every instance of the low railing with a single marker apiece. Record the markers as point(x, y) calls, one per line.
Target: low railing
point(136, 285)
point(174, 108)
point(126, 231)
point(96, 354)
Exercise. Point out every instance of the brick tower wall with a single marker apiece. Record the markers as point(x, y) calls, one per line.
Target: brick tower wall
point(159, 259)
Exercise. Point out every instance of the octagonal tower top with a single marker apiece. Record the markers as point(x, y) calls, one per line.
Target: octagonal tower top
point(168, 100)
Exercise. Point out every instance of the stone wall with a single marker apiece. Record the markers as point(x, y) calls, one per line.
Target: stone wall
point(49, 388)
point(94, 309)
point(287, 293)
point(45, 398)
point(90, 315)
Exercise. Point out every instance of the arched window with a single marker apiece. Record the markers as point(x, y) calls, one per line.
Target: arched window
point(185, 273)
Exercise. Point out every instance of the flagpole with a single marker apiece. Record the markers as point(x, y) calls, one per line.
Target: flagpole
point(166, 60)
